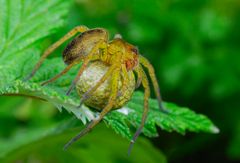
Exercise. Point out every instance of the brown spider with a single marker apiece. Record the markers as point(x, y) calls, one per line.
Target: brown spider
point(121, 58)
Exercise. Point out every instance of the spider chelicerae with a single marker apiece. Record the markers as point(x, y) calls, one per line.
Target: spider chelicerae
point(119, 56)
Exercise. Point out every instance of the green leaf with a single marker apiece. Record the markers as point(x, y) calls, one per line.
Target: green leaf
point(179, 119)
point(117, 122)
point(53, 93)
point(102, 144)
point(20, 49)
point(23, 24)
point(20, 46)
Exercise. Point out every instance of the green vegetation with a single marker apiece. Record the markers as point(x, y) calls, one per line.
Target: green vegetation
point(193, 47)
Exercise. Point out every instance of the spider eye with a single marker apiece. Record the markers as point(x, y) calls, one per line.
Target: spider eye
point(134, 50)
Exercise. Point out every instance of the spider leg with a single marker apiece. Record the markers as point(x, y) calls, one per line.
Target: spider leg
point(152, 75)
point(139, 75)
point(60, 74)
point(125, 79)
point(145, 84)
point(55, 46)
point(64, 72)
point(106, 109)
point(86, 95)
point(101, 44)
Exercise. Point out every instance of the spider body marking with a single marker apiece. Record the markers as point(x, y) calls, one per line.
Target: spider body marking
point(121, 57)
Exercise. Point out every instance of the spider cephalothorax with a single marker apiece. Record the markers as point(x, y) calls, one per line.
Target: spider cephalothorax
point(119, 59)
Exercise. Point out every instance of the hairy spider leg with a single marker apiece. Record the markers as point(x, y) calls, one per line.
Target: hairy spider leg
point(60, 74)
point(106, 109)
point(65, 71)
point(137, 70)
point(55, 46)
point(87, 94)
point(152, 75)
point(146, 87)
point(100, 45)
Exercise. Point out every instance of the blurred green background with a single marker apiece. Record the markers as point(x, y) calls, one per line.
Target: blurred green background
point(194, 47)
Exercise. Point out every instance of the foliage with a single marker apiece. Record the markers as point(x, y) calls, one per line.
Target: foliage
point(32, 146)
point(178, 119)
point(193, 46)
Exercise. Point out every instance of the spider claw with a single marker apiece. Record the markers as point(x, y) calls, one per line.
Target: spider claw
point(130, 147)
point(28, 77)
point(81, 134)
point(44, 83)
point(69, 91)
point(137, 133)
point(84, 97)
point(65, 148)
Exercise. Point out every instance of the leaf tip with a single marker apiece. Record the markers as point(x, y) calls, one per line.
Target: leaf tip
point(215, 130)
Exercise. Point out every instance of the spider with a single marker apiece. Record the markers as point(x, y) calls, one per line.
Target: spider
point(120, 56)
